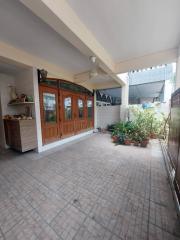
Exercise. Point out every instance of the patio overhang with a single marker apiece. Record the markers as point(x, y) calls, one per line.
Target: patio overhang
point(146, 61)
point(61, 17)
point(11, 53)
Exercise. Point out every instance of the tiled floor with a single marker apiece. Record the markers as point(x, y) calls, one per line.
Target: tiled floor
point(89, 190)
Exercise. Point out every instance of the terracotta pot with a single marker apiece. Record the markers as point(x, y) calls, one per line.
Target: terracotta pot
point(136, 143)
point(127, 142)
point(115, 139)
point(144, 143)
point(153, 135)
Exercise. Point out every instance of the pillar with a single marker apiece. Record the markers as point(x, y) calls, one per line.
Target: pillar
point(95, 111)
point(124, 102)
point(178, 71)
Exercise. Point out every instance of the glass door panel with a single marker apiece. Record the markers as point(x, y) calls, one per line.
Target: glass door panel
point(49, 104)
point(90, 112)
point(67, 113)
point(68, 108)
point(89, 108)
point(80, 108)
point(49, 114)
point(79, 116)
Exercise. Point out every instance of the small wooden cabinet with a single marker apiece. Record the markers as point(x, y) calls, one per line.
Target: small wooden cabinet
point(21, 134)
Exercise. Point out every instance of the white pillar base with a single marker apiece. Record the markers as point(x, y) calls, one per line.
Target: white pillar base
point(124, 102)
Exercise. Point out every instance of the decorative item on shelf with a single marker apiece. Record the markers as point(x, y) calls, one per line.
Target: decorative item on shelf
point(8, 117)
point(42, 75)
point(17, 117)
point(23, 97)
point(30, 98)
point(13, 94)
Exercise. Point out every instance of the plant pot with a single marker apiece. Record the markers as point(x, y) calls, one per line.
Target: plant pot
point(144, 143)
point(115, 139)
point(136, 144)
point(127, 142)
point(153, 135)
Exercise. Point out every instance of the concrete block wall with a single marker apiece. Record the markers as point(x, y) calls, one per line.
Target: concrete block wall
point(107, 115)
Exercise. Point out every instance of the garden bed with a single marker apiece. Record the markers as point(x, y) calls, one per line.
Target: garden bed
point(146, 124)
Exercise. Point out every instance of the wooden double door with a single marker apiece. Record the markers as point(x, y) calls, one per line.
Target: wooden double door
point(64, 113)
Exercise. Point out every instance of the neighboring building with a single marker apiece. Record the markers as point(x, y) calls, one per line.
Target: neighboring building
point(151, 85)
point(154, 84)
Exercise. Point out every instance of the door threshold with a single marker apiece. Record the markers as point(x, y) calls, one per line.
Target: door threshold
point(63, 141)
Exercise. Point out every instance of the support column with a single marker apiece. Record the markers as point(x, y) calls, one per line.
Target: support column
point(178, 71)
point(95, 111)
point(124, 102)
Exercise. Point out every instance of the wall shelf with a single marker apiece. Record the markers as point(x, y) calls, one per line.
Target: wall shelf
point(20, 103)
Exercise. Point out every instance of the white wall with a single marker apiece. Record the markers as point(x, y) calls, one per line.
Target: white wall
point(24, 83)
point(5, 81)
point(107, 115)
point(1, 129)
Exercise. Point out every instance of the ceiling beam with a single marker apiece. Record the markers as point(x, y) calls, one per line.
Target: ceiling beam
point(61, 17)
point(17, 55)
point(106, 85)
point(151, 60)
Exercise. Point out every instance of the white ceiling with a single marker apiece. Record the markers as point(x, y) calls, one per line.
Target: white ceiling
point(21, 28)
point(146, 90)
point(100, 79)
point(129, 29)
point(10, 67)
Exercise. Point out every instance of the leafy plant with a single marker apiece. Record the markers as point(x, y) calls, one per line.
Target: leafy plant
point(110, 127)
point(145, 123)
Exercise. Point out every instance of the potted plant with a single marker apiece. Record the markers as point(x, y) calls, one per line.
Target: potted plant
point(127, 140)
point(121, 138)
point(152, 135)
point(115, 136)
point(136, 139)
point(144, 142)
point(144, 138)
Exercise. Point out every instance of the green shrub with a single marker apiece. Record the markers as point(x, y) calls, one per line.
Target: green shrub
point(146, 122)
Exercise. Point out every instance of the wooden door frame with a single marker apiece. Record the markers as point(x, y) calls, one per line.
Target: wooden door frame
point(60, 94)
point(92, 99)
point(64, 94)
point(76, 119)
point(48, 89)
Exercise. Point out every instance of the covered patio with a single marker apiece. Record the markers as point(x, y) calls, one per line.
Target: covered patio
point(97, 191)
point(69, 181)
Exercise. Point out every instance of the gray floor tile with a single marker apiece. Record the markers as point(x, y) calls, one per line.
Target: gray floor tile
point(88, 190)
